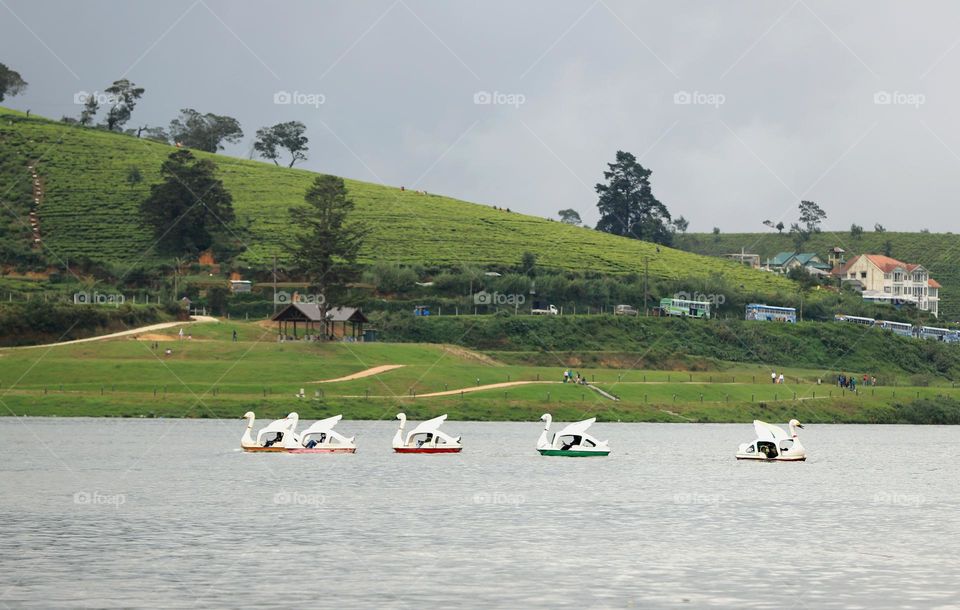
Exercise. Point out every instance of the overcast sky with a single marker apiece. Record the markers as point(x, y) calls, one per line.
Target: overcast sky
point(853, 105)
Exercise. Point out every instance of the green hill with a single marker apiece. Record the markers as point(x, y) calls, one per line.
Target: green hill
point(89, 211)
point(938, 252)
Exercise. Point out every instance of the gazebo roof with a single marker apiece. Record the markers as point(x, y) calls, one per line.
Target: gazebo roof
point(346, 314)
point(299, 312)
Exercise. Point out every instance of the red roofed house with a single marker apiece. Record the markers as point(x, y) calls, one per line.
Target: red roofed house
point(887, 280)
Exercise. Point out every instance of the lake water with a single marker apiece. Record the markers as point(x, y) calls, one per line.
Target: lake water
point(130, 513)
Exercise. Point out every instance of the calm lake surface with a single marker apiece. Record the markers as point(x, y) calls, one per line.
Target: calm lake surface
point(170, 513)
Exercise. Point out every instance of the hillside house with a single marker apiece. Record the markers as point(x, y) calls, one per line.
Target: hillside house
point(887, 280)
point(808, 261)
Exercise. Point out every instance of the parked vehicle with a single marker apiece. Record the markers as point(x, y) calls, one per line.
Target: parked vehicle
point(769, 313)
point(421, 310)
point(625, 310)
point(550, 310)
point(897, 328)
point(902, 328)
point(685, 308)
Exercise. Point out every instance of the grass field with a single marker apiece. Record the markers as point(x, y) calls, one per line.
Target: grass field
point(90, 211)
point(938, 252)
point(210, 375)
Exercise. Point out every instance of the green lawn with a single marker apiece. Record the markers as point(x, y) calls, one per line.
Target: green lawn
point(210, 375)
point(90, 211)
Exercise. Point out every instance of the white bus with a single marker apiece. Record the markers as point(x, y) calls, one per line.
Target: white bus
point(938, 334)
point(854, 319)
point(897, 328)
point(770, 313)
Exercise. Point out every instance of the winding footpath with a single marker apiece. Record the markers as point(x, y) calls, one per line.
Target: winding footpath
point(123, 333)
point(360, 375)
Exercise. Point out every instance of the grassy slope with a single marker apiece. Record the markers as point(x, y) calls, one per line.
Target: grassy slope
point(89, 210)
point(938, 252)
point(211, 376)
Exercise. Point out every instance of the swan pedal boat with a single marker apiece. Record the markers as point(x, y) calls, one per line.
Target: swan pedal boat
point(425, 438)
point(572, 441)
point(322, 438)
point(773, 444)
point(326, 439)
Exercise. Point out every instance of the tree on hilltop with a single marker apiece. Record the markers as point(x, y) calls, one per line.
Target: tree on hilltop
point(125, 95)
point(570, 216)
point(627, 205)
point(206, 132)
point(11, 83)
point(90, 108)
point(811, 215)
point(287, 136)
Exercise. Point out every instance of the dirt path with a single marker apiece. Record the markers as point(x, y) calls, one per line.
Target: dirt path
point(476, 388)
point(124, 333)
point(367, 373)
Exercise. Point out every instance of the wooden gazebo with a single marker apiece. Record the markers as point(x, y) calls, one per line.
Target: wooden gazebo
point(347, 315)
point(308, 314)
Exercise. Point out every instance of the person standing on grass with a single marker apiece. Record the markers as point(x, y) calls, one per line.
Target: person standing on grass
point(773, 377)
point(234, 335)
point(781, 378)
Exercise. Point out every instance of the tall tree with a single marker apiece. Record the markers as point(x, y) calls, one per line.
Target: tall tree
point(11, 83)
point(188, 206)
point(627, 205)
point(856, 231)
point(206, 132)
point(287, 136)
point(811, 215)
point(90, 108)
point(570, 217)
point(680, 224)
point(329, 240)
point(125, 96)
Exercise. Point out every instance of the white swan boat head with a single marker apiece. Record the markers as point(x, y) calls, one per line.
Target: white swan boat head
point(278, 435)
point(773, 444)
point(571, 441)
point(425, 438)
point(322, 438)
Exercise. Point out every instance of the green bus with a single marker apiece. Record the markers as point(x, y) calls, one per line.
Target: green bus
point(685, 308)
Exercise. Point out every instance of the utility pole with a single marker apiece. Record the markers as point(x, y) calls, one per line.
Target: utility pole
point(274, 283)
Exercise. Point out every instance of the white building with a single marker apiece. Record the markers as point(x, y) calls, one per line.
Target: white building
point(887, 280)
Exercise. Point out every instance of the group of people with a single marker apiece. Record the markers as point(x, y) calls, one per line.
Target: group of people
point(849, 382)
point(569, 377)
point(774, 378)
